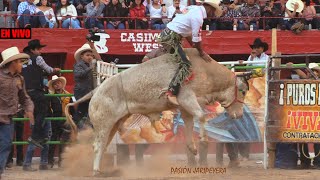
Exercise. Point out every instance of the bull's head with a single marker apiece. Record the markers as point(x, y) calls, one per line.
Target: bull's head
point(236, 94)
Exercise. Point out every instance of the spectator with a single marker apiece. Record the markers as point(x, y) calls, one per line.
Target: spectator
point(45, 7)
point(175, 8)
point(156, 11)
point(94, 10)
point(83, 77)
point(293, 10)
point(250, 13)
point(258, 52)
point(57, 104)
point(81, 5)
point(67, 13)
point(229, 15)
point(18, 132)
point(138, 15)
point(26, 18)
point(14, 6)
point(33, 74)
point(12, 92)
point(115, 9)
point(270, 10)
point(309, 13)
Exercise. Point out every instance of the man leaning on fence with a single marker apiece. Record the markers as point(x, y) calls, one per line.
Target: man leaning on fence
point(33, 73)
point(12, 93)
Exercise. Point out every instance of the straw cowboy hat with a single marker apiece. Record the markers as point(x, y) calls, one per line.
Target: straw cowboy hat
point(12, 54)
point(54, 79)
point(314, 66)
point(77, 54)
point(259, 43)
point(290, 5)
point(33, 44)
point(214, 4)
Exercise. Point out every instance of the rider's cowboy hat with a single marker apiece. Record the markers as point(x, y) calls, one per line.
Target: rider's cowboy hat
point(54, 79)
point(259, 43)
point(77, 54)
point(290, 5)
point(33, 44)
point(12, 54)
point(314, 66)
point(214, 4)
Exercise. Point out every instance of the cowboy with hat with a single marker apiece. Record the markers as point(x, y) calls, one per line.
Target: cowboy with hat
point(57, 105)
point(84, 68)
point(12, 94)
point(34, 80)
point(185, 25)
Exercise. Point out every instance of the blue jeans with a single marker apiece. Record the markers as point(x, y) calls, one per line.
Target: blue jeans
point(34, 21)
point(120, 26)
point(74, 23)
point(93, 22)
point(6, 136)
point(44, 151)
point(242, 27)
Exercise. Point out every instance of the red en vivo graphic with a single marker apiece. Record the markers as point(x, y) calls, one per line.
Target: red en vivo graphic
point(15, 33)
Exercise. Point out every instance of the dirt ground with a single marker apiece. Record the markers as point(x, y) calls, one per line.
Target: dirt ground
point(161, 170)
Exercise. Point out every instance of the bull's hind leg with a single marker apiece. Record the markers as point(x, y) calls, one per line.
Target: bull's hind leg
point(190, 146)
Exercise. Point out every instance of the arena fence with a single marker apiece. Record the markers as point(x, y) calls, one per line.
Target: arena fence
point(106, 70)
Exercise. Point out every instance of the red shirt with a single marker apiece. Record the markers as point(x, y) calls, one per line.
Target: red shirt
point(138, 11)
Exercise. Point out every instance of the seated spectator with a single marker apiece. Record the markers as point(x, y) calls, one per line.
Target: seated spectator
point(115, 9)
point(45, 7)
point(212, 20)
point(250, 13)
point(67, 14)
point(80, 5)
point(14, 6)
point(229, 15)
point(26, 18)
point(138, 15)
point(293, 10)
point(57, 104)
point(174, 9)
point(309, 13)
point(94, 10)
point(156, 11)
point(270, 10)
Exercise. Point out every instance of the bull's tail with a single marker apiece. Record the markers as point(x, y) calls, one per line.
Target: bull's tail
point(69, 120)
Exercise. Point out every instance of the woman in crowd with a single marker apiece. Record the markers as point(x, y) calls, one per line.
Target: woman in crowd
point(45, 7)
point(309, 13)
point(138, 14)
point(115, 9)
point(156, 9)
point(67, 14)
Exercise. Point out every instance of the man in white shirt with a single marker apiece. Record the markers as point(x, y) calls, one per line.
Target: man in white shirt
point(258, 52)
point(175, 8)
point(188, 25)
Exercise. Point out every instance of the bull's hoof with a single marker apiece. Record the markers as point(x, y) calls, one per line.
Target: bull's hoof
point(192, 150)
point(111, 173)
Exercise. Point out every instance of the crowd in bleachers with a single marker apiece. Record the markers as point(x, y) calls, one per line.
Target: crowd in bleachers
point(155, 14)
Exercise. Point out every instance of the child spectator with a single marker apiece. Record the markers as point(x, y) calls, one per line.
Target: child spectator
point(45, 7)
point(115, 9)
point(12, 93)
point(83, 77)
point(26, 12)
point(138, 15)
point(57, 104)
point(229, 15)
point(250, 13)
point(94, 10)
point(67, 13)
point(156, 11)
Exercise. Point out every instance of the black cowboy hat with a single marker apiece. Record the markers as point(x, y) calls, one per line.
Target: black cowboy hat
point(259, 43)
point(33, 44)
point(226, 1)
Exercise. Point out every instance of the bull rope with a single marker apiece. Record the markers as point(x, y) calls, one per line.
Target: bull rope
point(308, 157)
point(124, 93)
